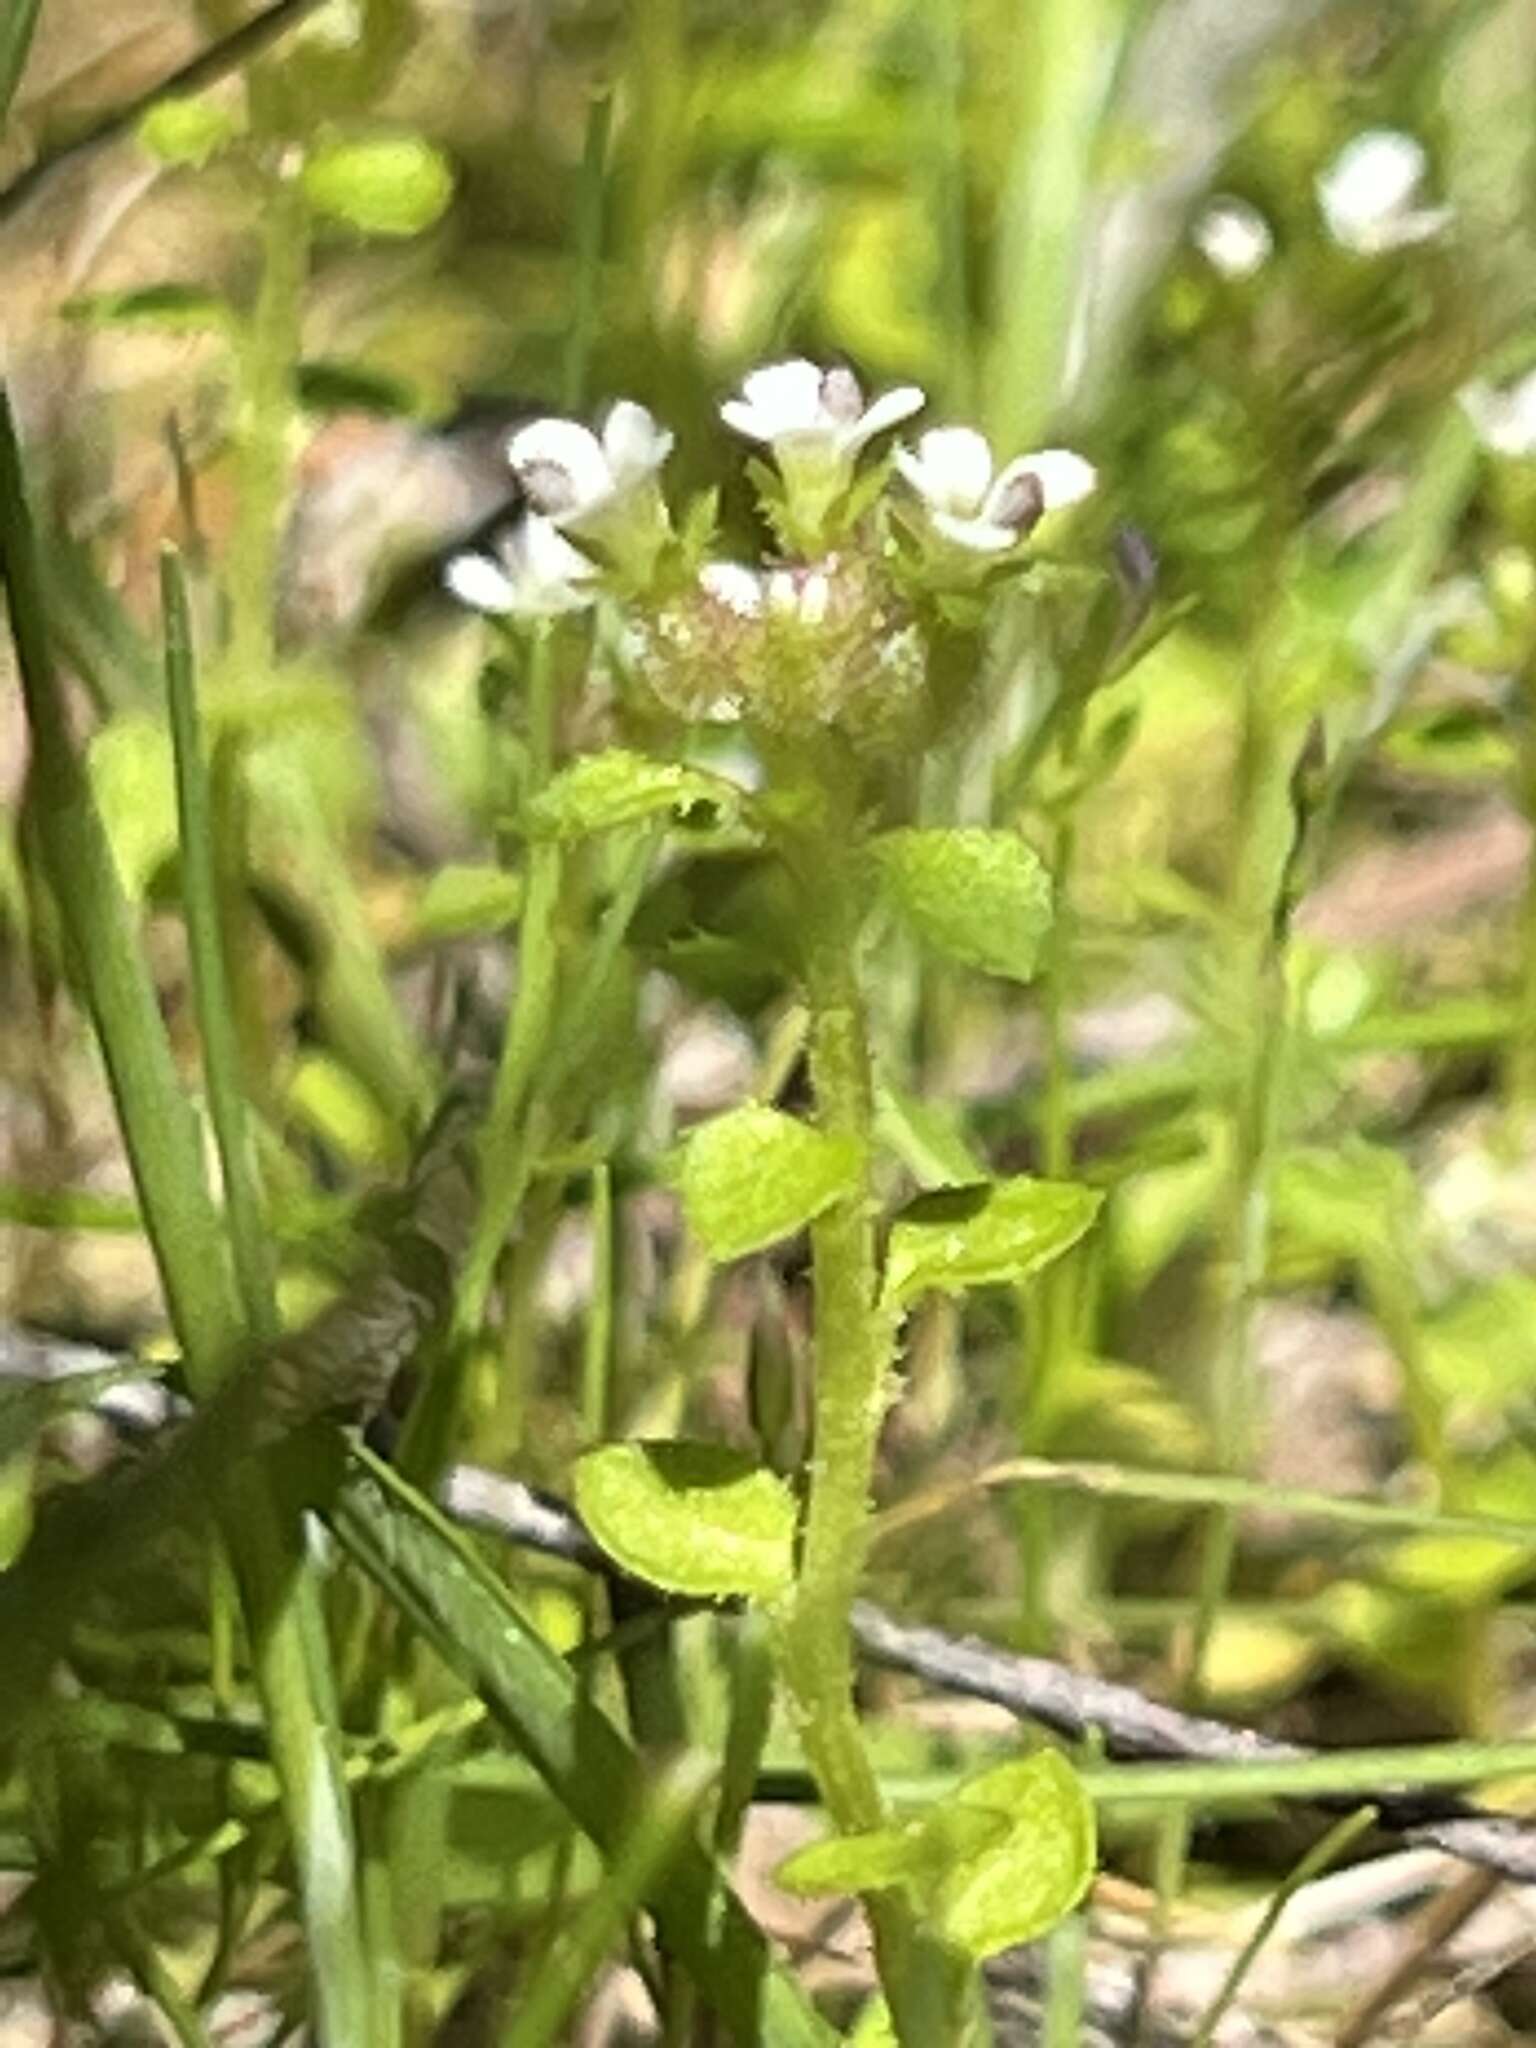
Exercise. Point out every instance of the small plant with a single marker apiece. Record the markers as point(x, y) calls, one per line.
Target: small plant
point(838, 661)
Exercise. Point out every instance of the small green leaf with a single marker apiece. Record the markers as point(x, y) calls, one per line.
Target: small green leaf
point(996, 1232)
point(693, 1518)
point(175, 308)
point(1018, 1887)
point(923, 1851)
point(755, 1175)
point(869, 1862)
point(977, 896)
point(186, 129)
point(380, 184)
point(619, 788)
point(135, 789)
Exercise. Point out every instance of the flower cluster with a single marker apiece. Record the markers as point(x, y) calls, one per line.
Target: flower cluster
point(828, 635)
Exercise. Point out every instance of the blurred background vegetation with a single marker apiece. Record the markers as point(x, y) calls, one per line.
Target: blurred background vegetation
point(1289, 1020)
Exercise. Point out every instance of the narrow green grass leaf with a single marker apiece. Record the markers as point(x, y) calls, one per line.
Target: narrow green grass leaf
point(16, 29)
point(638, 1867)
point(165, 1156)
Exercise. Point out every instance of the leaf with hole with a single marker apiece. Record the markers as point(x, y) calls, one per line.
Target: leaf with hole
point(693, 1518)
point(602, 791)
point(754, 1175)
point(977, 896)
point(995, 1233)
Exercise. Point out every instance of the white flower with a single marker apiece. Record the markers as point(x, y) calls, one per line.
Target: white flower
point(1505, 421)
point(530, 570)
point(574, 476)
point(804, 594)
point(1234, 237)
point(1367, 193)
point(951, 472)
point(816, 423)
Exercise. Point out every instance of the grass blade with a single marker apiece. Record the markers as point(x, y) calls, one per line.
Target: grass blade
point(162, 1140)
point(659, 1834)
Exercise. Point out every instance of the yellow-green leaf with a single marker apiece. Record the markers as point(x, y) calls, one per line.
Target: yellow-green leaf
point(601, 791)
point(975, 895)
point(1020, 1885)
point(693, 1518)
point(380, 184)
point(997, 1232)
point(755, 1175)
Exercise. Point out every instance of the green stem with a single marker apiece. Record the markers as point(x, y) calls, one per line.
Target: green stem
point(506, 1146)
point(270, 350)
point(1055, 1300)
point(1258, 1005)
point(1520, 1058)
point(854, 1341)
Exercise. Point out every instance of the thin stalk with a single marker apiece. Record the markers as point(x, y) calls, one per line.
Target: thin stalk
point(1520, 1055)
point(1065, 60)
point(1256, 993)
point(245, 1208)
point(588, 250)
point(854, 1341)
point(270, 348)
point(1320, 1857)
point(506, 1162)
point(1054, 1301)
point(597, 1341)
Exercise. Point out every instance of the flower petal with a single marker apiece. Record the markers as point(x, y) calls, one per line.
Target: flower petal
point(888, 410)
point(477, 581)
point(1370, 182)
point(561, 464)
point(1234, 237)
point(951, 469)
point(981, 536)
point(1064, 477)
point(634, 444)
point(784, 396)
point(738, 588)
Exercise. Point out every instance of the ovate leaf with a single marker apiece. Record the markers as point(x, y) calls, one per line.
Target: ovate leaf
point(380, 184)
point(693, 1518)
point(755, 1175)
point(977, 896)
point(996, 1232)
point(620, 788)
point(1020, 1885)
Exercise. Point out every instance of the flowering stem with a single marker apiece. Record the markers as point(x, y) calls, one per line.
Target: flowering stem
point(854, 1341)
